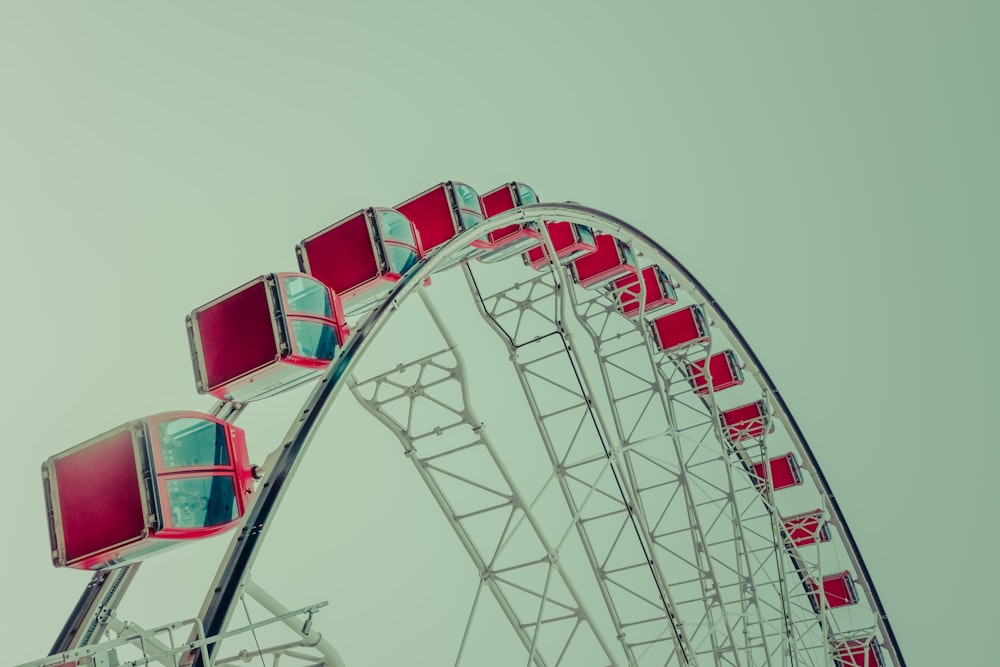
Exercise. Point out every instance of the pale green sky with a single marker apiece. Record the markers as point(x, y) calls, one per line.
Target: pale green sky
point(829, 172)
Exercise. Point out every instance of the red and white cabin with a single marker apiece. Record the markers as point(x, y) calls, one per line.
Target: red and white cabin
point(782, 471)
point(362, 256)
point(857, 653)
point(746, 422)
point(264, 337)
point(570, 241)
point(512, 239)
point(146, 485)
point(838, 591)
point(723, 368)
point(443, 212)
point(807, 528)
point(659, 292)
point(612, 259)
point(680, 329)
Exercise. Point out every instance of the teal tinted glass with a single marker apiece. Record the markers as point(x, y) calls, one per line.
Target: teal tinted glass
point(584, 233)
point(193, 442)
point(200, 502)
point(401, 258)
point(396, 226)
point(305, 295)
point(314, 340)
point(466, 197)
point(469, 220)
point(526, 194)
point(627, 253)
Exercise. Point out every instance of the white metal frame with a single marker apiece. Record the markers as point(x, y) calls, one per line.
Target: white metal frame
point(724, 584)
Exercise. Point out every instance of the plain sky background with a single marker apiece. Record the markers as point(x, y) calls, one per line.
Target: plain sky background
point(828, 171)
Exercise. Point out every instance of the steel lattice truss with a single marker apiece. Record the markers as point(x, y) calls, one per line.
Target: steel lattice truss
point(647, 533)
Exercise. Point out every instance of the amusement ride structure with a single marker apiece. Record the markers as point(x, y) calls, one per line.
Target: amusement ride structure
point(660, 507)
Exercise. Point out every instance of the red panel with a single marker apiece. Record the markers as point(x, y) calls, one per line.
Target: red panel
point(342, 256)
point(745, 422)
point(784, 471)
point(499, 200)
point(679, 329)
point(236, 334)
point(432, 215)
point(807, 528)
point(653, 279)
point(838, 591)
point(566, 241)
point(603, 265)
point(723, 368)
point(857, 653)
point(100, 503)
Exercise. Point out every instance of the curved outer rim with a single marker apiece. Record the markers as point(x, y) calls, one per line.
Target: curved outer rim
point(282, 464)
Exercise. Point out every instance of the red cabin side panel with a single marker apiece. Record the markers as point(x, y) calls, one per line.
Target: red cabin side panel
point(432, 215)
point(655, 296)
point(784, 472)
point(565, 240)
point(100, 502)
point(722, 366)
point(342, 256)
point(838, 591)
point(680, 329)
point(237, 335)
point(604, 264)
point(498, 201)
point(495, 202)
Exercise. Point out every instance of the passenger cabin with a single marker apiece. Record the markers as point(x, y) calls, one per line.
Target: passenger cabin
point(612, 259)
point(659, 292)
point(746, 422)
point(837, 591)
point(782, 471)
point(146, 485)
point(443, 212)
point(362, 256)
point(680, 329)
point(806, 528)
point(723, 371)
point(570, 241)
point(269, 335)
point(512, 239)
point(857, 653)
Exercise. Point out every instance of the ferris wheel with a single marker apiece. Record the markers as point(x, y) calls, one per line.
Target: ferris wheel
point(638, 493)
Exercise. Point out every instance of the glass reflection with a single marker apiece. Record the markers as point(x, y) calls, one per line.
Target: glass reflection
point(200, 502)
point(305, 295)
point(314, 340)
point(193, 442)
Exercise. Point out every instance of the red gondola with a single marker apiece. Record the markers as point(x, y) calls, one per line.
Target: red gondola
point(570, 241)
point(680, 329)
point(362, 256)
point(837, 591)
point(724, 369)
point(267, 336)
point(442, 212)
point(512, 239)
point(782, 471)
point(146, 485)
point(659, 292)
point(612, 259)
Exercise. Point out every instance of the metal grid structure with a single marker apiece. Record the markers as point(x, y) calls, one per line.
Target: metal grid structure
point(653, 535)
